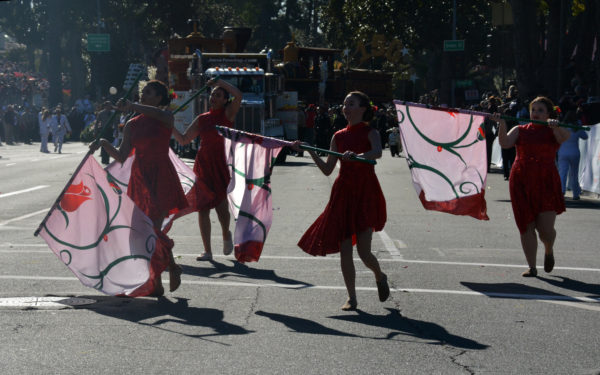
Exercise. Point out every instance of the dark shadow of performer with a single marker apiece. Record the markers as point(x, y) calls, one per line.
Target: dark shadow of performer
point(401, 325)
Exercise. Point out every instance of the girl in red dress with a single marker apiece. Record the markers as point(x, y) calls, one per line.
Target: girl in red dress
point(535, 189)
point(356, 205)
point(212, 174)
point(154, 185)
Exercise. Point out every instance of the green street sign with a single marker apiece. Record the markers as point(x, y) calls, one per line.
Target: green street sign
point(454, 45)
point(464, 83)
point(98, 42)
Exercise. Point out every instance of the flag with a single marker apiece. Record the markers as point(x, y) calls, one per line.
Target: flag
point(446, 153)
point(120, 174)
point(103, 237)
point(251, 158)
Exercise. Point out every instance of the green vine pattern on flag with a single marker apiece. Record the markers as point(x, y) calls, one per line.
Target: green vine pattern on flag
point(448, 146)
point(104, 272)
point(187, 181)
point(108, 227)
point(255, 219)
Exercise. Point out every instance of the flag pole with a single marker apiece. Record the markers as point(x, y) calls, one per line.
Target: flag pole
point(223, 129)
point(90, 152)
point(486, 114)
point(198, 92)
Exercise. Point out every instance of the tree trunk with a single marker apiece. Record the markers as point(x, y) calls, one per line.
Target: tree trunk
point(526, 46)
point(54, 53)
point(585, 42)
point(78, 72)
point(551, 63)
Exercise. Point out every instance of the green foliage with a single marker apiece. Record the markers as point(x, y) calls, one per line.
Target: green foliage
point(87, 134)
point(420, 26)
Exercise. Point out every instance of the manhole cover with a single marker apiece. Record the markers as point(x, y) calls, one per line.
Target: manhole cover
point(43, 302)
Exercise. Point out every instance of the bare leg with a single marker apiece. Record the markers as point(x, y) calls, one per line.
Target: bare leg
point(545, 226)
point(204, 222)
point(224, 218)
point(348, 272)
point(544, 223)
point(363, 245)
point(174, 269)
point(529, 244)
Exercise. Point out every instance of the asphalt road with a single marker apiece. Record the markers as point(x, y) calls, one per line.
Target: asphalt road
point(458, 305)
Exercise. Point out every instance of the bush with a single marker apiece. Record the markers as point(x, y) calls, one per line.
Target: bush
point(87, 134)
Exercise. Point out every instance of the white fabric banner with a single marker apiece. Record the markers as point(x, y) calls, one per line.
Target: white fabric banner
point(589, 164)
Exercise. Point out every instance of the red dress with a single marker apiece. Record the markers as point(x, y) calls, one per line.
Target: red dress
point(210, 167)
point(534, 181)
point(356, 202)
point(154, 185)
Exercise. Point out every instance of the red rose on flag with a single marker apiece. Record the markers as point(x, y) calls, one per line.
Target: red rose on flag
point(75, 196)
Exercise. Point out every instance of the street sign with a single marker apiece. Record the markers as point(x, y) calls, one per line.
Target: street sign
point(464, 83)
point(454, 45)
point(98, 42)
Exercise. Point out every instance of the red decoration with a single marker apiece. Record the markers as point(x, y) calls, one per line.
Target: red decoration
point(75, 196)
point(439, 148)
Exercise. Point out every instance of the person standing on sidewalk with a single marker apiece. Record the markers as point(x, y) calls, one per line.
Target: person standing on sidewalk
point(44, 121)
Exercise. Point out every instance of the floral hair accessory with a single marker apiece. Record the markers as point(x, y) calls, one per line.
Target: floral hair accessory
point(172, 94)
point(557, 109)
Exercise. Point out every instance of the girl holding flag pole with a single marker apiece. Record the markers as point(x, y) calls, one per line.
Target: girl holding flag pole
point(154, 185)
point(356, 205)
point(535, 189)
point(210, 189)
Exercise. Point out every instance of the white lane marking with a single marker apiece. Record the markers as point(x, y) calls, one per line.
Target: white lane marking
point(23, 191)
point(389, 245)
point(400, 244)
point(332, 258)
point(3, 223)
point(540, 297)
point(9, 244)
point(575, 304)
point(9, 165)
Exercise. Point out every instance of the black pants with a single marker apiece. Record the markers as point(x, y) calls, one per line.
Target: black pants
point(103, 154)
point(508, 158)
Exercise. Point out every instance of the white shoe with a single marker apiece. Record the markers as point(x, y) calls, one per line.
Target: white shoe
point(228, 245)
point(205, 257)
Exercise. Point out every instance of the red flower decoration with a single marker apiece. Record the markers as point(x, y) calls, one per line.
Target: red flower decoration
point(439, 148)
point(75, 196)
point(105, 238)
point(250, 186)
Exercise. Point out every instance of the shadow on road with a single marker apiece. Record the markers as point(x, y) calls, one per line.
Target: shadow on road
point(575, 285)
point(301, 325)
point(393, 321)
point(218, 270)
point(401, 325)
point(582, 203)
point(143, 310)
point(509, 290)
